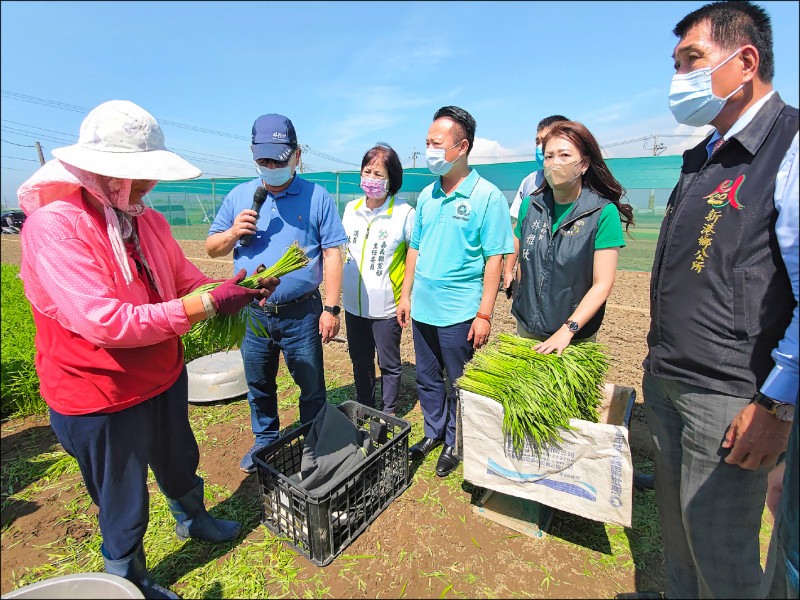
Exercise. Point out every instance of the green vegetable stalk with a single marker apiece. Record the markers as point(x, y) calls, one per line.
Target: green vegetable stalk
point(539, 392)
point(228, 330)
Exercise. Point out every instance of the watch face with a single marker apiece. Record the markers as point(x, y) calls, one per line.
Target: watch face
point(785, 412)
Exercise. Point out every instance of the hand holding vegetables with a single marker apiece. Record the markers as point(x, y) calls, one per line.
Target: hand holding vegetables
point(229, 297)
point(228, 328)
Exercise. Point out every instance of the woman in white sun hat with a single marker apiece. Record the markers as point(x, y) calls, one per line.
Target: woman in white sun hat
point(105, 279)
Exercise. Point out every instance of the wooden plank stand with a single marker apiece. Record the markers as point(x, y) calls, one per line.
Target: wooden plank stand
point(524, 516)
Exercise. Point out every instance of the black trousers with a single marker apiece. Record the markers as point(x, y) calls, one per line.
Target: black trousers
point(113, 451)
point(364, 337)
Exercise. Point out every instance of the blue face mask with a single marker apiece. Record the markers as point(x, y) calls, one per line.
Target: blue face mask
point(539, 154)
point(691, 98)
point(437, 163)
point(274, 177)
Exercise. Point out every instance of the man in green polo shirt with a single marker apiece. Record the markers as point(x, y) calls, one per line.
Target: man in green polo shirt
point(454, 265)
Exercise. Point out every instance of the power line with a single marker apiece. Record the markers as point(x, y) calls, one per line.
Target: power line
point(29, 134)
point(647, 137)
point(229, 161)
point(83, 109)
point(308, 148)
point(18, 158)
point(20, 145)
point(34, 127)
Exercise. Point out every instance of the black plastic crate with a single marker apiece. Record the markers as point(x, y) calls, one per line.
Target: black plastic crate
point(319, 527)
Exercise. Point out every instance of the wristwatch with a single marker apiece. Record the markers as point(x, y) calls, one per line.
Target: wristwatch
point(572, 325)
point(783, 411)
point(334, 310)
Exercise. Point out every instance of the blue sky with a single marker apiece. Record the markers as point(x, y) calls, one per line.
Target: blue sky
point(348, 74)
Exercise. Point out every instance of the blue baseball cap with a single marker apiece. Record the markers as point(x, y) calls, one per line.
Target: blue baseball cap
point(273, 137)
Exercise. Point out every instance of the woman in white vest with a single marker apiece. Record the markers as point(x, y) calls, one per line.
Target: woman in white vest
point(378, 228)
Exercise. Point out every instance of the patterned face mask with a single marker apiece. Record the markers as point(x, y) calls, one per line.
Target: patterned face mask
point(374, 188)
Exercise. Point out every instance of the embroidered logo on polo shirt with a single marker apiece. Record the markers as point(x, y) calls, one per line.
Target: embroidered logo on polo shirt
point(463, 211)
point(382, 234)
point(726, 193)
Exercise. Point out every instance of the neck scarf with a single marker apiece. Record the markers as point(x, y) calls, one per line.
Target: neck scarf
point(55, 180)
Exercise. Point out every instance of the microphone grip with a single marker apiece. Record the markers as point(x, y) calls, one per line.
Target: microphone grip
point(248, 237)
point(245, 239)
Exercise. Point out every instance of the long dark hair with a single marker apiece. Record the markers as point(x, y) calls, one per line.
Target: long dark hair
point(597, 177)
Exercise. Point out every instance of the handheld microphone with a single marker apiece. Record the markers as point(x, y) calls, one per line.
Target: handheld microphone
point(258, 200)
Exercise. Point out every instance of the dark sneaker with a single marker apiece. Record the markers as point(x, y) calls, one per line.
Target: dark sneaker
point(247, 464)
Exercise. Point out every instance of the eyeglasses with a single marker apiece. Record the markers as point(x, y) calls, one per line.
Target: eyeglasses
point(272, 164)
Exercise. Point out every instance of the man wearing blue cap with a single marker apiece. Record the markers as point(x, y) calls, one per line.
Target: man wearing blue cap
point(295, 318)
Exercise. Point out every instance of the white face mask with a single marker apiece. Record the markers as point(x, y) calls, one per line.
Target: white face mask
point(691, 98)
point(437, 163)
point(275, 177)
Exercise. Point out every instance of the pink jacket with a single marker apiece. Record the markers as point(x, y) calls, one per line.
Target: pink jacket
point(71, 275)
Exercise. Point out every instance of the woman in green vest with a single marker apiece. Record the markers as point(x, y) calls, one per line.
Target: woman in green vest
point(570, 233)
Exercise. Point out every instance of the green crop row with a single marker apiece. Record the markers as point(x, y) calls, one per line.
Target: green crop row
point(19, 391)
point(19, 388)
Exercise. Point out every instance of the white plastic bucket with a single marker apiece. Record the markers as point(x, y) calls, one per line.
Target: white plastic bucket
point(81, 585)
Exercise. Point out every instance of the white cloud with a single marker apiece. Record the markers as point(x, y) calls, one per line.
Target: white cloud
point(675, 137)
point(490, 151)
point(678, 145)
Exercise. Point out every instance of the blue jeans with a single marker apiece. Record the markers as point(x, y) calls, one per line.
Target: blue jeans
point(294, 329)
point(438, 349)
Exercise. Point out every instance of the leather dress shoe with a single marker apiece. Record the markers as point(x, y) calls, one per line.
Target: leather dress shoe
point(423, 447)
point(643, 481)
point(448, 462)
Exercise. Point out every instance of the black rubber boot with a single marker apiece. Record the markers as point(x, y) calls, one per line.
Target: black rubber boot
point(134, 568)
point(193, 521)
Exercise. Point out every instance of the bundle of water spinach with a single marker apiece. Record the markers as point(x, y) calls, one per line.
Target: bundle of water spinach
point(539, 392)
point(228, 331)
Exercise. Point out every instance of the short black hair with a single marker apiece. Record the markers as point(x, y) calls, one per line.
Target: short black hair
point(462, 119)
point(391, 162)
point(735, 24)
point(547, 121)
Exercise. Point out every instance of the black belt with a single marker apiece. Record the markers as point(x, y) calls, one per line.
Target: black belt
point(272, 309)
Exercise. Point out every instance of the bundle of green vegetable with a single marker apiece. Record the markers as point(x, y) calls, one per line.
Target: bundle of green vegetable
point(539, 392)
point(228, 330)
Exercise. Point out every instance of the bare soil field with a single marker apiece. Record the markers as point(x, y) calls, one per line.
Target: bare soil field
point(428, 543)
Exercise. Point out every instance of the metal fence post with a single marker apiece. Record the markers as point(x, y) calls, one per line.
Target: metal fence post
point(213, 198)
point(337, 190)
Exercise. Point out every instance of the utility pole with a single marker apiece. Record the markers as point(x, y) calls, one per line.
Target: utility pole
point(657, 149)
point(414, 156)
point(39, 150)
